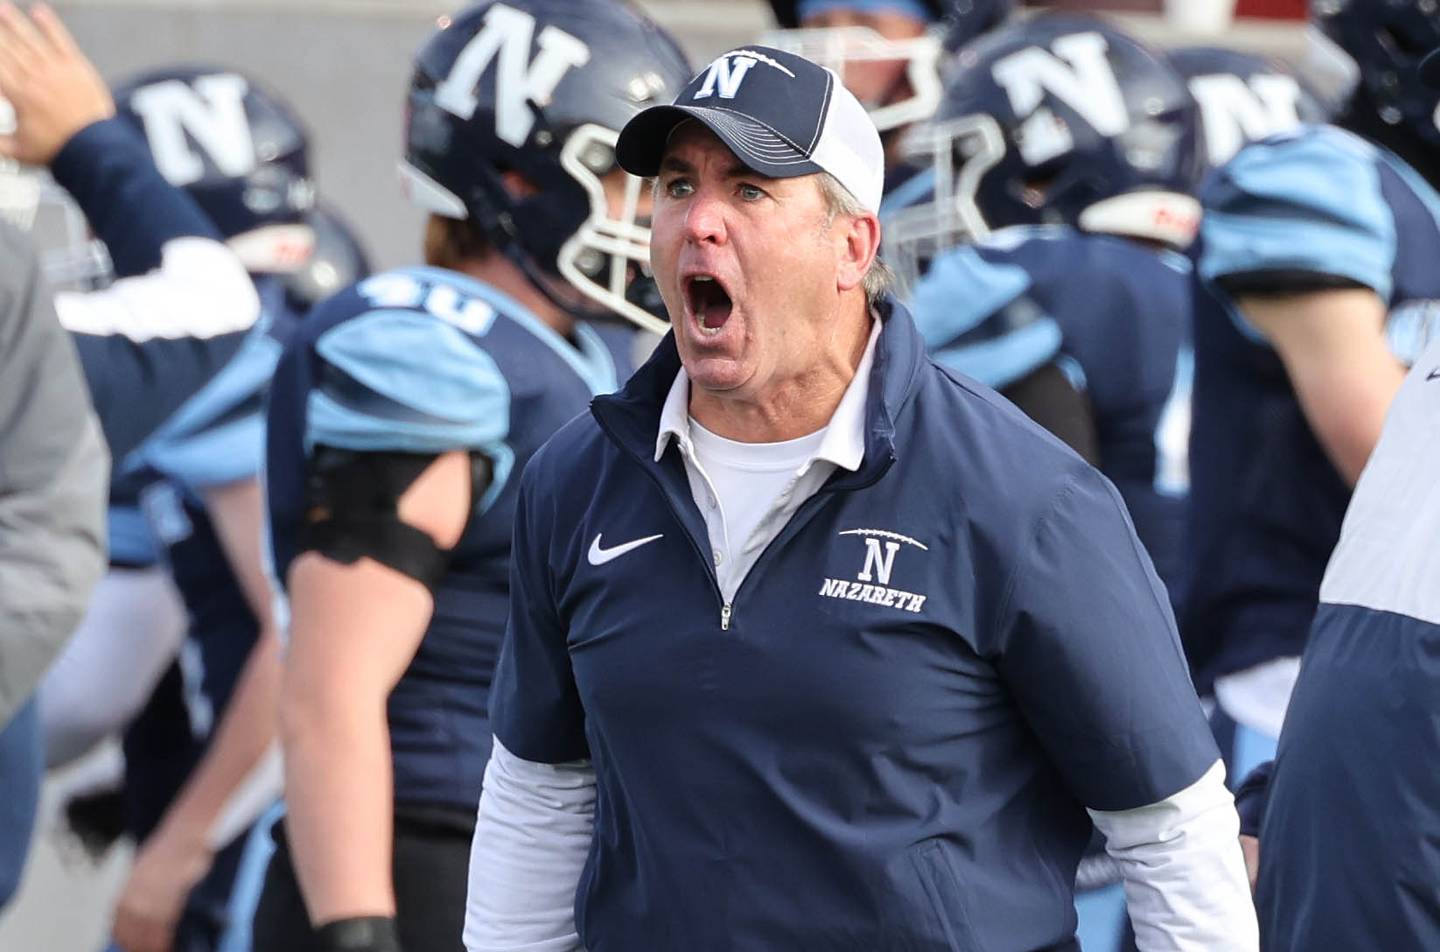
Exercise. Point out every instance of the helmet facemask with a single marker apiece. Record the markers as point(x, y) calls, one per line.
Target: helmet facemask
point(607, 259)
point(840, 49)
point(954, 155)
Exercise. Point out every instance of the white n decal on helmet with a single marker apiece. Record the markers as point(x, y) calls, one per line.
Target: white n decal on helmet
point(1236, 111)
point(1077, 73)
point(504, 39)
point(212, 111)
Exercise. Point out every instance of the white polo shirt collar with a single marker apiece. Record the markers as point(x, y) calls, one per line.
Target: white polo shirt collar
point(844, 441)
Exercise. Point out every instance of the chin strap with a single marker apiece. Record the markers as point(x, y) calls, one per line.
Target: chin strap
point(505, 237)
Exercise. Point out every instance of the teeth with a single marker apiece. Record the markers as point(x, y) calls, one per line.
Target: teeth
point(699, 318)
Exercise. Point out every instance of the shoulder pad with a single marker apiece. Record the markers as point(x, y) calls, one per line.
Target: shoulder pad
point(217, 435)
point(977, 319)
point(408, 374)
point(961, 289)
point(1308, 202)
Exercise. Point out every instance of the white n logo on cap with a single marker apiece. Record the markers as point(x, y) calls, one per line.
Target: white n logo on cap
point(212, 112)
point(505, 40)
point(1077, 73)
point(728, 74)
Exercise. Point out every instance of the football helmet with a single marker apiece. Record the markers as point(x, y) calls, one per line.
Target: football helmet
point(237, 149)
point(1243, 97)
point(1054, 120)
point(541, 88)
point(1379, 45)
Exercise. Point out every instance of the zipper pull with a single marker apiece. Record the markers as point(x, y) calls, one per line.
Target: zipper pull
point(725, 617)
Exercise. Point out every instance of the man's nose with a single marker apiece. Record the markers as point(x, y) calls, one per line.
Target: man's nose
point(705, 218)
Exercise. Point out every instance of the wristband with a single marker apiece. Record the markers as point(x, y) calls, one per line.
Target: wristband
point(359, 934)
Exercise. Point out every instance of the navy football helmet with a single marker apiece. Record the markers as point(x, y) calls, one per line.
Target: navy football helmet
point(1055, 120)
point(1243, 97)
point(236, 148)
point(541, 88)
point(1383, 42)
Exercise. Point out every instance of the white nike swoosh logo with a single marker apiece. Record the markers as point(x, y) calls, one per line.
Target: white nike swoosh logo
point(599, 555)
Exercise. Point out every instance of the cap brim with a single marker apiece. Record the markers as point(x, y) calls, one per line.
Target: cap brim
point(642, 142)
point(1430, 69)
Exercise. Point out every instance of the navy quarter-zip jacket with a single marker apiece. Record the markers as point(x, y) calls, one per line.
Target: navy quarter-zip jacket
point(888, 738)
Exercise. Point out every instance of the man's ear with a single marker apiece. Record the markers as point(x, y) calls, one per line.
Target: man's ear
point(858, 241)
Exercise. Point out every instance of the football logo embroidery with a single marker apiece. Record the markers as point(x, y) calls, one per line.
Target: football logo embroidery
point(872, 582)
point(727, 73)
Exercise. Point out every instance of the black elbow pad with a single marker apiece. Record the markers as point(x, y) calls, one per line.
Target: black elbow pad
point(352, 504)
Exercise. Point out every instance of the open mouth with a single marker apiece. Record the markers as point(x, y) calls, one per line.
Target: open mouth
point(709, 302)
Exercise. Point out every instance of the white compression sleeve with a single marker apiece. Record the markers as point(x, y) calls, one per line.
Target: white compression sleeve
point(532, 837)
point(130, 633)
point(1185, 879)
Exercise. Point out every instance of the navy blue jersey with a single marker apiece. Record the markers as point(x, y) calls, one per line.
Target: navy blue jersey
point(215, 438)
point(1116, 317)
point(422, 360)
point(1312, 209)
point(166, 741)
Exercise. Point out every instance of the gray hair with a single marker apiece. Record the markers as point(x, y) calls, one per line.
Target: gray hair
point(839, 201)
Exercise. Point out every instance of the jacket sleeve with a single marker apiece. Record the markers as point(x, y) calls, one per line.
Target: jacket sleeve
point(182, 303)
point(53, 476)
point(1089, 649)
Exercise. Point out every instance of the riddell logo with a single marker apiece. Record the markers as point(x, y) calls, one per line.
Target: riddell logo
point(872, 583)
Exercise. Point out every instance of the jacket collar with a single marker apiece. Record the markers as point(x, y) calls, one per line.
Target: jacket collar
point(632, 417)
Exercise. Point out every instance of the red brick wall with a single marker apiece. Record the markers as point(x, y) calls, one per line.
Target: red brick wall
point(1280, 9)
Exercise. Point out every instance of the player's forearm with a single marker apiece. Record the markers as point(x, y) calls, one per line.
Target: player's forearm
point(246, 731)
point(1185, 880)
point(338, 792)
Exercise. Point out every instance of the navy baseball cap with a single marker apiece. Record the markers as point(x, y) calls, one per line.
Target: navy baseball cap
point(781, 115)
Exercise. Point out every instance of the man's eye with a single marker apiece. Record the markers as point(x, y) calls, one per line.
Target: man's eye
point(751, 192)
point(677, 188)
